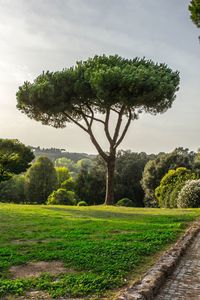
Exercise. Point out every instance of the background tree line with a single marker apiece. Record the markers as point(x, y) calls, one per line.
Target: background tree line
point(147, 180)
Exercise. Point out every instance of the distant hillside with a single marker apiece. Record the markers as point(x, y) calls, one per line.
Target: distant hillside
point(54, 153)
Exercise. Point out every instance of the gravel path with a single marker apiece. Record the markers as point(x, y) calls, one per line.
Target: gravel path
point(184, 283)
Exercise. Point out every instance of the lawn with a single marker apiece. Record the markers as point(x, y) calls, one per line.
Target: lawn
point(101, 247)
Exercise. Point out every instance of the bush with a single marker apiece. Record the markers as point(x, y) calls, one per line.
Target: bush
point(61, 196)
point(125, 202)
point(189, 196)
point(82, 203)
point(170, 186)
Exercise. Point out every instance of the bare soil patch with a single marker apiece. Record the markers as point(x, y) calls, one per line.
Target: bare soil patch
point(26, 241)
point(122, 231)
point(36, 295)
point(35, 269)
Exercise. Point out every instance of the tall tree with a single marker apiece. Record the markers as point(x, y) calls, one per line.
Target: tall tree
point(94, 90)
point(62, 174)
point(41, 180)
point(15, 158)
point(194, 8)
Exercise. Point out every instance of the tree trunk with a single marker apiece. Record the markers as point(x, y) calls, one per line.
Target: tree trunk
point(109, 199)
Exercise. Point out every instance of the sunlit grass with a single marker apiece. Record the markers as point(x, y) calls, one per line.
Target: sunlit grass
point(103, 245)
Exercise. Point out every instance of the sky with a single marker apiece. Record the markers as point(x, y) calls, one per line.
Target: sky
point(53, 34)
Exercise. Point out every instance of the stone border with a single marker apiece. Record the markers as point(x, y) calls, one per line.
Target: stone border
point(148, 287)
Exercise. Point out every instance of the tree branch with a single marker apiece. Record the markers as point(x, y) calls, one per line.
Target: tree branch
point(89, 131)
point(74, 121)
point(106, 124)
point(125, 129)
point(96, 144)
point(113, 109)
point(119, 121)
point(94, 118)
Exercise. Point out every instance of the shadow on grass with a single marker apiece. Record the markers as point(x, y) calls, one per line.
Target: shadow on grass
point(112, 215)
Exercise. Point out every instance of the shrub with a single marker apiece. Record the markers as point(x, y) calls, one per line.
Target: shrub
point(170, 186)
point(82, 203)
point(125, 202)
point(61, 196)
point(189, 196)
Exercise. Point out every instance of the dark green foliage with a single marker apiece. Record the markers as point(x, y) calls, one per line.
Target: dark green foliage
point(82, 203)
point(170, 186)
point(41, 180)
point(90, 182)
point(13, 190)
point(103, 247)
point(15, 158)
point(129, 169)
point(99, 82)
point(157, 168)
point(62, 196)
point(194, 8)
point(189, 195)
point(125, 202)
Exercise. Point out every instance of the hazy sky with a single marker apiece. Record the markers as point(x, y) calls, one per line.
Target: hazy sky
point(37, 35)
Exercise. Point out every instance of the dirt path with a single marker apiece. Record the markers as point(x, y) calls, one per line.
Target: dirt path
point(184, 283)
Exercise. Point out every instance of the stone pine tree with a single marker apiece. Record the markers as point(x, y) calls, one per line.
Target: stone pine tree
point(93, 91)
point(194, 8)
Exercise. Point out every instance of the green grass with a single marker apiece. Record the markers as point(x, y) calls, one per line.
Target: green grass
point(104, 246)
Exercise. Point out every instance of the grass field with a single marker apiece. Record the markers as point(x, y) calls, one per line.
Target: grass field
point(101, 247)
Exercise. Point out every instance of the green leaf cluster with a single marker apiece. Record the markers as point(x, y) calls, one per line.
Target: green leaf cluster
point(98, 83)
point(15, 158)
point(170, 186)
point(194, 9)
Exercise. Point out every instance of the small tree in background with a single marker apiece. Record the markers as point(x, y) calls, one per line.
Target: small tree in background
point(93, 91)
point(62, 175)
point(15, 158)
point(67, 163)
point(41, 180)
